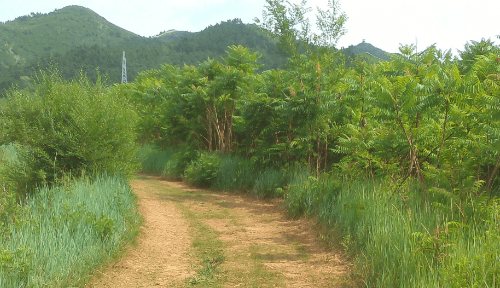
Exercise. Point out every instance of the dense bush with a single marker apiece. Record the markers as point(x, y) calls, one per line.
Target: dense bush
point(67, 128)
point(202, 171)
point(176, 165)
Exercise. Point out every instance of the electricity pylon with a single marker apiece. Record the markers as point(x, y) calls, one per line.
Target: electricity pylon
point(124, 69)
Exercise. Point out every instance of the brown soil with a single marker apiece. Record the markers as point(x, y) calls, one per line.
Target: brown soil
point(161, 257)
point(261, 245)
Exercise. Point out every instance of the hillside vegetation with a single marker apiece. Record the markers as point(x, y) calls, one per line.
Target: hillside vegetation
point(76, 38)
point(29, 37)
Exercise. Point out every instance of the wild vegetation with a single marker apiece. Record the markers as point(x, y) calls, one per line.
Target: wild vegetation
point(59, 235)
point(66, 207)
point(399, 159)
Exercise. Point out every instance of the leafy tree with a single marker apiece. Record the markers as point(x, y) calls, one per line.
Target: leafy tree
point(472, 50)
point(67, 128)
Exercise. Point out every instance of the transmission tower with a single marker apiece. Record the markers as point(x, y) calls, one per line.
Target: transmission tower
point(124, 69)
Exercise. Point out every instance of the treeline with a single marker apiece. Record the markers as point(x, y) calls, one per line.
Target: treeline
point(422, 115)
point(26, 17)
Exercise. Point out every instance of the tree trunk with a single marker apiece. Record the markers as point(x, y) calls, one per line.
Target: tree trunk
point(318, 157)
point(444, 135)
point(492, 176)
point(210, 130)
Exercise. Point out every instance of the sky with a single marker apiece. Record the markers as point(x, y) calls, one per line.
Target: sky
point(384, 23)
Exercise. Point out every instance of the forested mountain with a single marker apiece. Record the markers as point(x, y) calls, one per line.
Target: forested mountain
point(31, 36)
point(30, 39)
point(76, 38)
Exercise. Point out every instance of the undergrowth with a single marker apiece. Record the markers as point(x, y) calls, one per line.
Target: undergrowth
point(214, 170)
point(398, 239)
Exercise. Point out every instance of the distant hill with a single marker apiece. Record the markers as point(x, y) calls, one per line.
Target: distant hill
point(213, 42)
point(31, 36)
point(367, 50)
point(30, 39)
point(76, 38)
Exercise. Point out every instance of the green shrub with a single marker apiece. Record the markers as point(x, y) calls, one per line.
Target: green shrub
point(175, 167)
point(63, 128)
point(154, 159)
point(202, 171)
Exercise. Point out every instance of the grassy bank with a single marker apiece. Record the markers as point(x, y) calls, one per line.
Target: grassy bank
point(396, 237)
point(60, 235)
point(398, 240)
point(57, 236)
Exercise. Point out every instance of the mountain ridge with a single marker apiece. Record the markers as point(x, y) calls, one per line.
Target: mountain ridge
point(82, 26)
point(77, 38)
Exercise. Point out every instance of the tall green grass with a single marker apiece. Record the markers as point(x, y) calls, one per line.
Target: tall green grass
point(239, 174)
point(398, 240)
point(61, 234)
point(8, 199)
point(235, 173)
point(153, 160)
point(222, 172)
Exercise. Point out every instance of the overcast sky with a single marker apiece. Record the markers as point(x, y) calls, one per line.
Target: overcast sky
point(383, 23)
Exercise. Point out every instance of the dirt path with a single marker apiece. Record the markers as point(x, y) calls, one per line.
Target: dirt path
point(198, 238)
point(161, 256)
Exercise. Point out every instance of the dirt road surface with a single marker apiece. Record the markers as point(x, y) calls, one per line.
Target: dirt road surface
point(201, 238)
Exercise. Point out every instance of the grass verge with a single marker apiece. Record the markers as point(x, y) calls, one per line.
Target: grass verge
point(398, 240)
point(208, 249)
point(63, 233)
